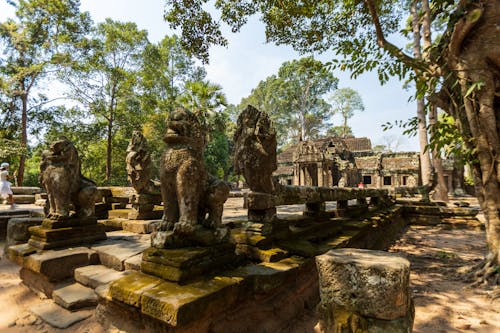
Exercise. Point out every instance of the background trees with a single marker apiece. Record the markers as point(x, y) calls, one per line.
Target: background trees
point(295, 99)
point(36, 43)
point(105, 82)
point(345, 101)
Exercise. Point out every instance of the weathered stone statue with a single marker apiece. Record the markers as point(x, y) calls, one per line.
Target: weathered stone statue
point(147, 195)
point(67, 190)
point(138, 162)
point(71, 199)
point(189, 194)
point(255, 149)
point(191, 240)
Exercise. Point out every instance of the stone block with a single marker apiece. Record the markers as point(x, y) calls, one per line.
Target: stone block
point(129, 289)
point(134, 263)
point(94, 276)
point(114, 255)
point(17, 253)
point(58, 265)
point(26, 190)
point(17, 229)
point(270, 255)
point(179, 305)
point(372, 284)
point(153, 214)
point(119, 213)
point(45, 238)
point(58, 317)
point(181, 265)
point(140, 226)
point(39, 283)
point(113, 224)
point(24, 198)
point(74, 297)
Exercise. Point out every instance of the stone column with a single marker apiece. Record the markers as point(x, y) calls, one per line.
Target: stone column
point(320, 174)
point(364, 291)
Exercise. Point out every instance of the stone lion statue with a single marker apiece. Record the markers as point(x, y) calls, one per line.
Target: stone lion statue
point(67, 190)
point(190, 196)
point(138, 161)
point(255, 149)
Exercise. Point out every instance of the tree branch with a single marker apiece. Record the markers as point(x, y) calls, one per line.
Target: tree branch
point(389, 47)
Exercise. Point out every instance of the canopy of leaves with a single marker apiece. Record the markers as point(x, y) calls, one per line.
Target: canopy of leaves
point(295, 98)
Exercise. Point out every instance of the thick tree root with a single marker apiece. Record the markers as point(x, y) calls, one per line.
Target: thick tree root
point(486, 273)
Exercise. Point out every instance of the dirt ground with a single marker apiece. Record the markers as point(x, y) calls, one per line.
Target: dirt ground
point(443, 301)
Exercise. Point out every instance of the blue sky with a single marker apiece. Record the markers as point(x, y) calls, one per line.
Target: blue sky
point(248, 60)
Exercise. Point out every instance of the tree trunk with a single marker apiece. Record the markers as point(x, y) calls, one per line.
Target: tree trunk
point(425, 160)
point(474, 55)
point(24, 137)
point(109, 148)
point(440, 188)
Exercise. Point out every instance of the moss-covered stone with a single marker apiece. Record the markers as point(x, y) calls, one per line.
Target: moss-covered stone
point(130, 288)
point(299, 247)
point(270, 255)
point(178, 305)
point(184, 264)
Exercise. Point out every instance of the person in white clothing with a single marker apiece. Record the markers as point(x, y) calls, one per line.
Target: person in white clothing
point(5, 190)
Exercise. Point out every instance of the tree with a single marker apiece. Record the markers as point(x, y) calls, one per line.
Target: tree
point(105, 82)
point(425, 158)
point(345, 101)
point(432, 173)
point(341, 131)
point(166, 68)
point(38, 41)
point(460, 73)
point(206, 100)
point(294, 98)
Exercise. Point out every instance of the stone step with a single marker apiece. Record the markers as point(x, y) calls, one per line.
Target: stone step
point(24, 198)
point(25, 190)
point(75, 296)
point(114, 253)
point(94, 276)
point(56, 316)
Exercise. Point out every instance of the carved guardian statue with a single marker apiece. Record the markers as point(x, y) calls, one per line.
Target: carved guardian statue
point(191, 197)
point(255, 149)
point(69, 193)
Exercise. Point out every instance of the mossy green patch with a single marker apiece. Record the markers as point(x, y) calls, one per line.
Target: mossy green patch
point(130, 288)
point(178, 305)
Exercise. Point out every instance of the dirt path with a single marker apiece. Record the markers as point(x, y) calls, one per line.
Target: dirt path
point(444, 303)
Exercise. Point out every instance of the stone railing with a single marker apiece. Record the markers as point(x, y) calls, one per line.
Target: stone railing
point(262, 206)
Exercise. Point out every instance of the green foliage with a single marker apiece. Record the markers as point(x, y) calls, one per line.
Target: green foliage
point(217, 155)
point(105, 83)
point(345, 101)
point(38, 41)
point(340, 131)
point(166, 68)
point(294, 99)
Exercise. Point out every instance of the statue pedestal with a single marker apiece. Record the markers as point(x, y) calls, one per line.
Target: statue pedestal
point(188, 264)
point(143, 207)
point(66, 233)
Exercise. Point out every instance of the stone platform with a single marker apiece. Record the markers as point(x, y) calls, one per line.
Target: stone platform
point(65, 233)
